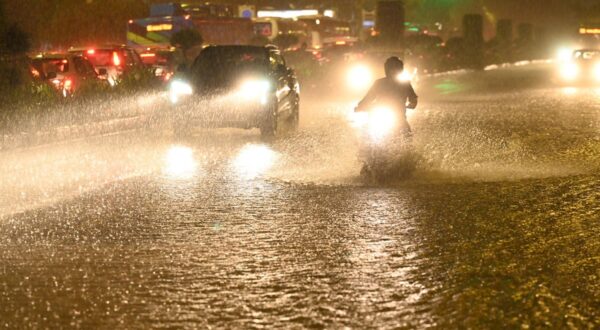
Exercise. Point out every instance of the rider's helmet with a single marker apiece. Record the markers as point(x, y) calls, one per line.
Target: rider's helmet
point(393, 66)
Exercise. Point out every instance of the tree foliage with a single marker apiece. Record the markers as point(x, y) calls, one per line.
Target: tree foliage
point(186, 39)
point(14, 41)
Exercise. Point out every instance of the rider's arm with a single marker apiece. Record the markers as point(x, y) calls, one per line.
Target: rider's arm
point(412, 97)
point(369, 98)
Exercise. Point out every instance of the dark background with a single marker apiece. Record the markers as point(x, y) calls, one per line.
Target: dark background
point(62, 23)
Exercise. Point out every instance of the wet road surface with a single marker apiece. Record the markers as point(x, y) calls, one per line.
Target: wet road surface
point(498, 226)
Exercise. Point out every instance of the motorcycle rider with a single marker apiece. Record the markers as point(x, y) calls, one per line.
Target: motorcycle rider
point(393, 92)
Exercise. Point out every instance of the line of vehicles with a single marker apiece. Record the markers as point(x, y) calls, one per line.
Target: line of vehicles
point(149, 43)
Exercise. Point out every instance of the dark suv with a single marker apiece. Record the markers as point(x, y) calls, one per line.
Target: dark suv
point(236, 86)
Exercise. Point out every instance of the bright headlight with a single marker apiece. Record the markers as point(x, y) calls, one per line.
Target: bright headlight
point(254, 88)
point(359, 77)
point(406, 76)
point(597, 71)
point(564, 54)
point(381, 122)
point(569, 71)
point(179, 88)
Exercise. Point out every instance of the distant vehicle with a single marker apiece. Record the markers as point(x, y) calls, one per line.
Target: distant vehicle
point(66, 72)
point(237, 86)
point(328, 31)
point(112, 61)
point(272, 27)
point(216, 23)
point(162, 61)
point(583, 67)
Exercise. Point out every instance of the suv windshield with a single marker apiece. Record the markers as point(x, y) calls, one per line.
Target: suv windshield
point(104, 57)
point(222, 66)
point(47, 65)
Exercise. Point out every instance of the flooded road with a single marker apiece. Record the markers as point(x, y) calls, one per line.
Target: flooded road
point(498, 226)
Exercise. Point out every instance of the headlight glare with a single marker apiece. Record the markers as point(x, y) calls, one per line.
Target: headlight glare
point(359, 77)
point(179, 88)
point(251, 89)
point(569, 71)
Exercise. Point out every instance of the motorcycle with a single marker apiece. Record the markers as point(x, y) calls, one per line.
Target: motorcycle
point(385, 144)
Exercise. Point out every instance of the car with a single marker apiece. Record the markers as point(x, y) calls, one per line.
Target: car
point(237, 86)
point(163, 61)
point(66, 72)
point(582, 67)
point(112, 61)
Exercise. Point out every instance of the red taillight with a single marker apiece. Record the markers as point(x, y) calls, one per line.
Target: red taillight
point(116, 59)
point(68, 84)
point(148, 55)
point(91, 51)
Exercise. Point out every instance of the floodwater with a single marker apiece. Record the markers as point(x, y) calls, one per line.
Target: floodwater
point(498, 226)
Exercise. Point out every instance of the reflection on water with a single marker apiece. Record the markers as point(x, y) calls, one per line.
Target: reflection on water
point(254, 160)
point(179, 163)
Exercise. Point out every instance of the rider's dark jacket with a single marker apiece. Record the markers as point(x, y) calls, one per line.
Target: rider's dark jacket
point(391, 92)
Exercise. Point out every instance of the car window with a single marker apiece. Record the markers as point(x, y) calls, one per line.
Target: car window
point(47, 65)
point(101, 57)
point(132, 57)
point(223, 65)
point(83, 67)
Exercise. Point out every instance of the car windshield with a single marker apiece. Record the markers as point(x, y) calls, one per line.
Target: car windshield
point(103, 57)
point(48, 65)
point(222, 66)
point(587, 55)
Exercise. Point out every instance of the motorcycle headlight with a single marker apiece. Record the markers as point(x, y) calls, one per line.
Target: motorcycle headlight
point(569, 71)
point(179, 88)
point(381, 121)
point(359, 77)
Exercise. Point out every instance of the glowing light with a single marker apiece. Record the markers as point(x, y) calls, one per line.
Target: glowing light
point(159, 27)
point(116, 59)
point(252, 89)
point(597, 71)
point(405, 76)
point(147, 55)
point(589, 30)
point(287, 13)
point(177, 89)
point(91, 51)
point(569, 71)
point(382, 121)
point(254, 160)
point(359, 77)
point(179, 163)
point(328, 13)
point(564, 54)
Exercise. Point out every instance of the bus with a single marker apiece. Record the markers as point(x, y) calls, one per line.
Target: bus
point(272, 27)
point(216, 23)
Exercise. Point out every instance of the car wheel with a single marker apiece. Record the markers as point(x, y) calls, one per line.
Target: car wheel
point(270, 124)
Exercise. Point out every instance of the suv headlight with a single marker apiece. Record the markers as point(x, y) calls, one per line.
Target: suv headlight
point(179, 88)
point(569, 71)
point(255, 89)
